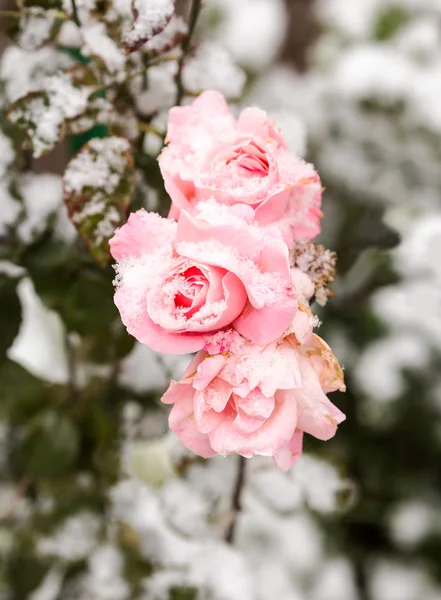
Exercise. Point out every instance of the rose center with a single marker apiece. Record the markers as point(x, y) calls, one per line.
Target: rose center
point(251, 160)
point(191, 282)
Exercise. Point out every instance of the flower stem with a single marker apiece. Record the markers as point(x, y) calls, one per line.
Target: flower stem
point(236, 501)
point(75, 16)
point(194, 15)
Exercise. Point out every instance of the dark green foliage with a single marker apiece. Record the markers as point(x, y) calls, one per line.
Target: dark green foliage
point(10, 316)
point(390, 21)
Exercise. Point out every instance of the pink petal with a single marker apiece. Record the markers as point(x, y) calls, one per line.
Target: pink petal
point(217, 394)
point(208, 370)
point(246, 424)
point(255, 404)
point(317, 415)
point(286, 457)
point(141, 235)
point(152, 335)
point(182, 422)
point(275, 433)
point(206, 418)
point(274, 206)
point(264, 325)
point(176, 391)
point(255, 121)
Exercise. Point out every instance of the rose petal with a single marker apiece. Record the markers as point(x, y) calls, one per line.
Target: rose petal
point(275, 433)
point(286, 457)
point(142, 233)
point(182, 422)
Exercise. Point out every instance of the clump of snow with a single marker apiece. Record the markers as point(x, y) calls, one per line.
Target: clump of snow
point(245, 42)
point(36, 27)
point(144, 370)
point(105, 580)
point(40, 344)
point(160, 92)
point(34, 68)
point(387, 358)
point(411, 522)
point(335, 581)
point(74, 540)
point(42, 197)
point(213, 68)
point(392, 580)
point(97, 43)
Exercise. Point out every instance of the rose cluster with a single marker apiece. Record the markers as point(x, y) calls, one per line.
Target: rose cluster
point(217, 278)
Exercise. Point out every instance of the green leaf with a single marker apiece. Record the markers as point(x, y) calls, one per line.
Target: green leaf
point(53, 266)
point(40, 122)
point(25, 572)
point(50, 446)
point(35, 28)
point(88, 306)
point(21, 394)
point(10, 316)
point(98, 185)
point(390, 21)
point(183, 593)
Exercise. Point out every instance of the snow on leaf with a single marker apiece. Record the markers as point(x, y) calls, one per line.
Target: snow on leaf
point(41, 115)
point(98, 184)
point(150, 17)
point(170, 37)
point(99, 110)
point(99, 45)
point(35, 28)
point(43, 125)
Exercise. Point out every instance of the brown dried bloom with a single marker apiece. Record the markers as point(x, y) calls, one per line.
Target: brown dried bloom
point(319, 264)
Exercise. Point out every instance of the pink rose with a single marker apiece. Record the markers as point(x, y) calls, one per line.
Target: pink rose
point(248, 399)
point(210, 155)
point(177, 282)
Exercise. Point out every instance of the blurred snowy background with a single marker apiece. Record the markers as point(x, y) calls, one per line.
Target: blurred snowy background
point(100, 503)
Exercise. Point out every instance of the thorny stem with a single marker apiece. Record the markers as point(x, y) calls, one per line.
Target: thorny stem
point(236, 502)
point(194, 15)
point(75, 16)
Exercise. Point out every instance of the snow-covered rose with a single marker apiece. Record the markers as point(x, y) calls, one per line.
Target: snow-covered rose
point(179, 281)
point(240, 398)
point(244, 162)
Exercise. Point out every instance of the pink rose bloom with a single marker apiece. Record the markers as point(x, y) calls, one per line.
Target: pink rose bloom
point(243, 162)
point(178, 282)
point(240, 398)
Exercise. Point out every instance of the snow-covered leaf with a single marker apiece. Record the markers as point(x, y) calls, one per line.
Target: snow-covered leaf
point(35, 28)
point(41, 115)
point(170, 37)
point(99, 110)
point(150, 17)
point(97, 44)
point(42, 124)
point(98, 185)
